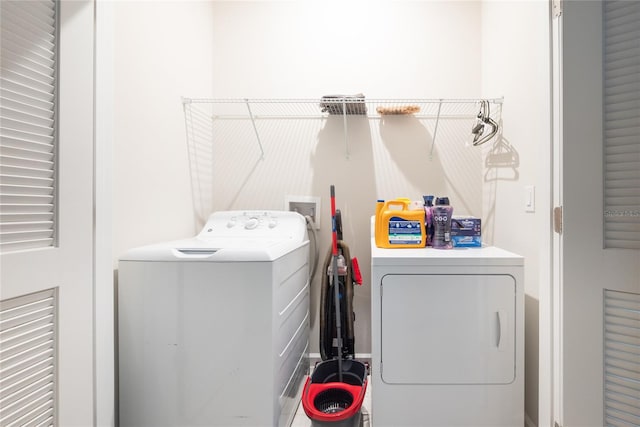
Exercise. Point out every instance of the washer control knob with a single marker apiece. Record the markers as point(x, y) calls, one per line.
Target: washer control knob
point(273, 223)
point(231, 223)
point(251, 223)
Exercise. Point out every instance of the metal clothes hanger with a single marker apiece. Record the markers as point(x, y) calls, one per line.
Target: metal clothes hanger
point(484, 118)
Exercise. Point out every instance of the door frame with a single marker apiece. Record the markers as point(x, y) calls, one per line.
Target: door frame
point(553, 410)
point(104, 306)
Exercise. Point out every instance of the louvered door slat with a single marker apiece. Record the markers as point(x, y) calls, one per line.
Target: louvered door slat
point(621, 122)
point(45, 419)
point(621, 358)
point(28, 120)
point(27, 359)
point(25, 382)
point(25, 409)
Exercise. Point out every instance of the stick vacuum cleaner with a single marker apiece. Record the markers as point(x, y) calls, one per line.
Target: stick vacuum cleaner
point(334, 392)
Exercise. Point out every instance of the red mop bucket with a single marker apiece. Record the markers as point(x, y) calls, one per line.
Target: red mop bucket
point(328, 401)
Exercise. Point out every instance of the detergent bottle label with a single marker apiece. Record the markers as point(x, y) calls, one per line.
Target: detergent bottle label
point(402, 231)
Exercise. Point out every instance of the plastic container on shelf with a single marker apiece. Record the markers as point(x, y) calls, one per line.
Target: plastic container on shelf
point(399, 226)
point(442, 213)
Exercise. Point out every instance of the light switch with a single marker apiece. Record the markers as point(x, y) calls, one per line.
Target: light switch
point(529, 198)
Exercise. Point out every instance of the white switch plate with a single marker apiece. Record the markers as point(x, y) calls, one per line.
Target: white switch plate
point(529, 198)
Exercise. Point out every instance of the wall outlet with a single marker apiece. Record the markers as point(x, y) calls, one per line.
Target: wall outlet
point(305, 206)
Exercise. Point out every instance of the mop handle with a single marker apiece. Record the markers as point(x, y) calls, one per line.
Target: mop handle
point(336, 282)
point(334, 234)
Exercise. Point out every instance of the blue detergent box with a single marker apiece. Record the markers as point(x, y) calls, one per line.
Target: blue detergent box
point(466, 232)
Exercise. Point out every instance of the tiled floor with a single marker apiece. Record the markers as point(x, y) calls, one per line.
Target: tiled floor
point(301, 419)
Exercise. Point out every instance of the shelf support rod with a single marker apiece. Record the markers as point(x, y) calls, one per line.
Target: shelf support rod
point(255, 128)
point(435, 130)
point(344, 121)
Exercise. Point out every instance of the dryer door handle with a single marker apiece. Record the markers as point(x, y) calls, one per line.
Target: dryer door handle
point(501, 341)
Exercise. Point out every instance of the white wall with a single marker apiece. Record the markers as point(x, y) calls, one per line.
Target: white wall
point(162, 52)
point(382, 49)
point(303, 49)
point(516, 63)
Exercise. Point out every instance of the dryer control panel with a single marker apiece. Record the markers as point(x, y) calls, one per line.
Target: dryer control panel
point(267, 224)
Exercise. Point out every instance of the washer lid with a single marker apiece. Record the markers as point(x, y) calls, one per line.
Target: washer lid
point(215, 250)
point(233, 236)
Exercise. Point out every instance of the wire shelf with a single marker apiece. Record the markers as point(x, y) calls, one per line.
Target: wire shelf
point(243, 108)
point(244, 120)
point(200, 111)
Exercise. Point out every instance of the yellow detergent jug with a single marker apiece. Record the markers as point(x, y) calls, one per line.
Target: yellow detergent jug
point(396, 226)
point(376, 229)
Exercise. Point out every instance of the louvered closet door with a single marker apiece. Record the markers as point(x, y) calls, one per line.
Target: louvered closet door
point(600, 285)
point(621, 91)
point(622, 358)
point(46, 225)
point(621, 103)
point(27, 125)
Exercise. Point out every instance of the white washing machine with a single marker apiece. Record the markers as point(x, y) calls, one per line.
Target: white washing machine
point(213, 330)
point(447, 337)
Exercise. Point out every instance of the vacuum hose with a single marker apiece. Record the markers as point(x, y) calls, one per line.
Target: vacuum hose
point(327, 309)
point(311, 226)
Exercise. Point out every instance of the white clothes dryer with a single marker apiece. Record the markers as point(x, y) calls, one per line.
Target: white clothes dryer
point(447, 337)
point(213, 330)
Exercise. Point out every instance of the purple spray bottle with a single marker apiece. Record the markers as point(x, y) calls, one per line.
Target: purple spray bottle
point(428, 218)
point(442, 213)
